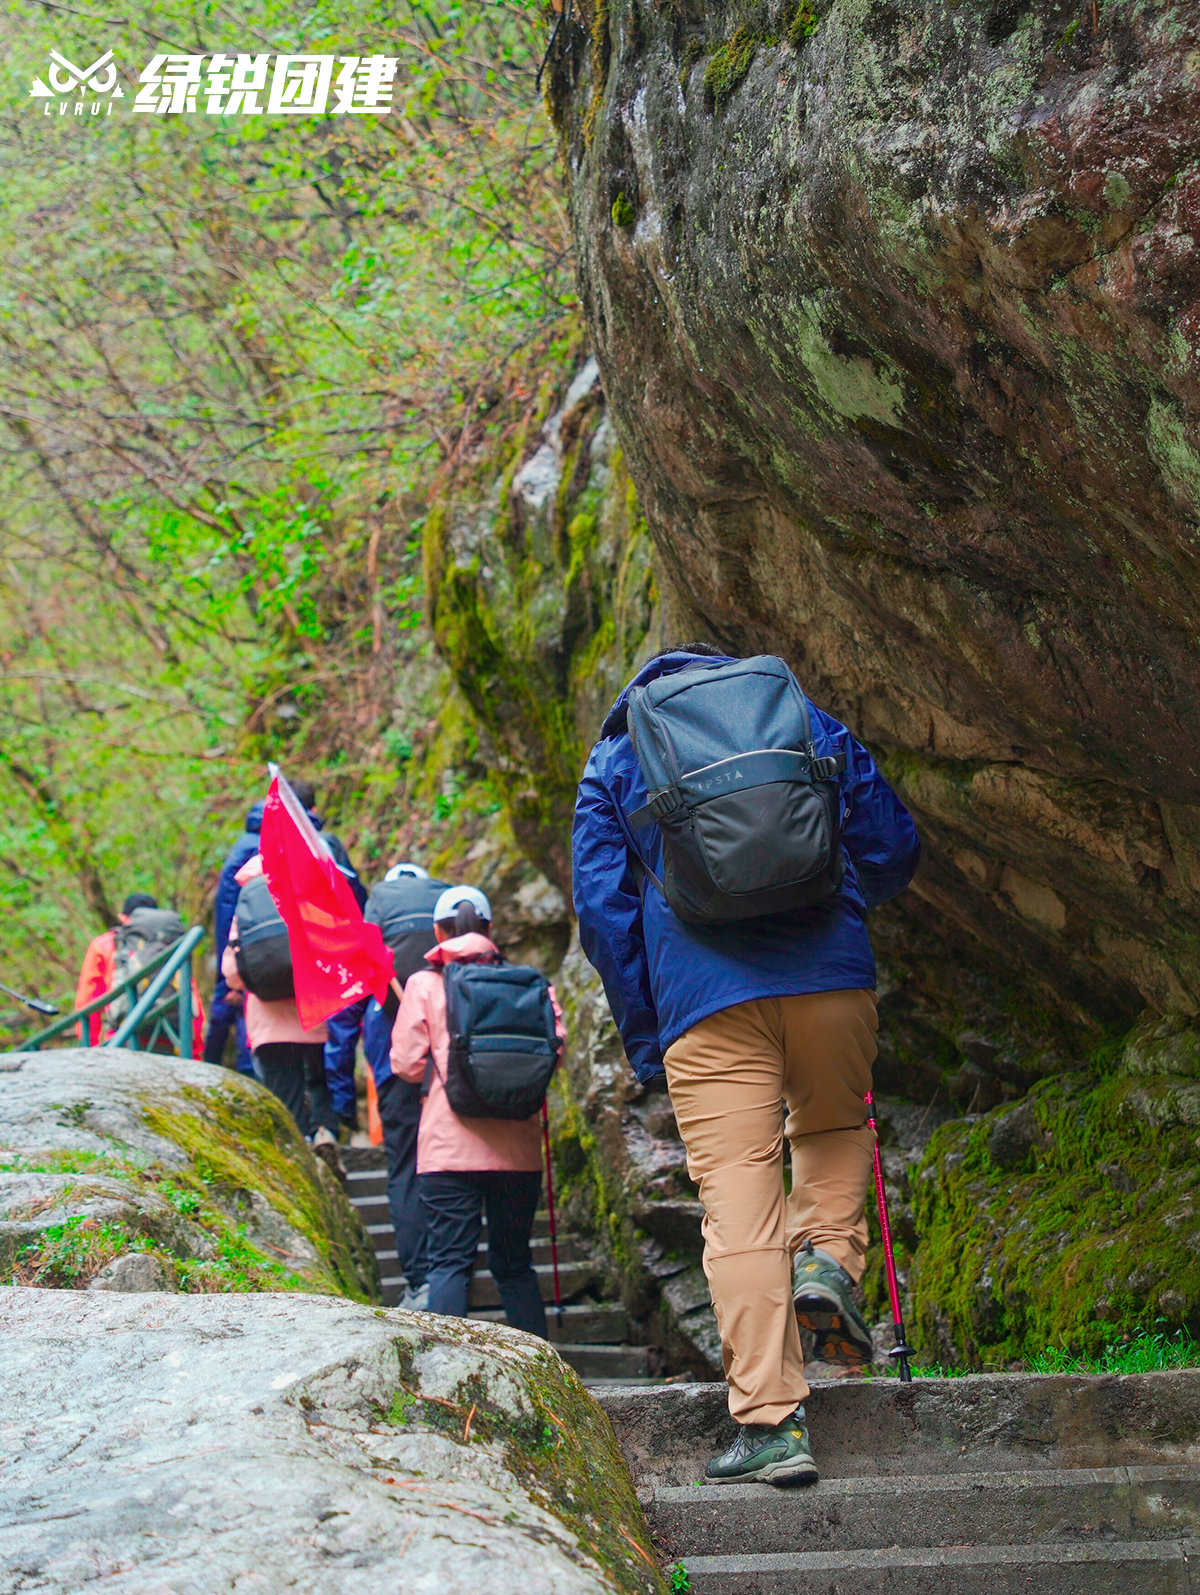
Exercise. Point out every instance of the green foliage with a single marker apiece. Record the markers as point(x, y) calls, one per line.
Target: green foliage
point(77, 1248)
point(1145, 1353)
point(678, 1575)
point(803, 25)
point(238, 353)
point(623, 213)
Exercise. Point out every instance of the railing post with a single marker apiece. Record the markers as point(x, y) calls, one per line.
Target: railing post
point(185, 1007)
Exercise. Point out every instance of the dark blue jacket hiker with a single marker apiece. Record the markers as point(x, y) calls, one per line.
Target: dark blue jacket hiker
point(729, 840)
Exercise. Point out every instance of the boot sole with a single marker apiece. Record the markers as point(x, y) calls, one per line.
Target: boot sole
point(791, 1470)
point(835, 1338)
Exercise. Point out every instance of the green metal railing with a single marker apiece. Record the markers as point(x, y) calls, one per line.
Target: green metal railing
point(150, 1018)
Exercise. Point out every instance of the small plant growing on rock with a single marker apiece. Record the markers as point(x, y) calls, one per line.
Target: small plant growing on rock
point(802, 26)
point(728, 65)
point(623, 213)
point(680, 1582)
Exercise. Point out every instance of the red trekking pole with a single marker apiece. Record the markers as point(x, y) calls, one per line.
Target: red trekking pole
point(900, 1351)
point(550, 1209)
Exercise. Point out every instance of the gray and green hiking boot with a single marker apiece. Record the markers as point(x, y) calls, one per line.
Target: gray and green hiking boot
point(831, 1326)
point(775, 1454)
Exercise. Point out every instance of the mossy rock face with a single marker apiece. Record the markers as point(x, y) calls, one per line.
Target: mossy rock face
point(541, 594)
point(1071, 1220)
point(105, 1152)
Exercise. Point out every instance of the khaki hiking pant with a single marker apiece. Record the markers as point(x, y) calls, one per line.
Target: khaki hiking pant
point(727, 1076)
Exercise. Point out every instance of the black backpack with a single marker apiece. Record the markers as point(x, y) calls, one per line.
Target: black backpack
point(503, 1040)
point(749, 815)
point(263, 952)
point(403, 910)
point(149, 932)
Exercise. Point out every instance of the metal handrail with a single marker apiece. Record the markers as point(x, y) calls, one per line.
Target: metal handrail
point(176, 954)
point(181, 953)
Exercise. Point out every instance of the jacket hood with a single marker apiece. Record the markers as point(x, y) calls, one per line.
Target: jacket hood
point(252, 867)
point(665, 665)
point(473, 948)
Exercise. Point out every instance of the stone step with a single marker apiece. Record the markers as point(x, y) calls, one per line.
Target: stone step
point(1140, 1567)
point(603, 1324)
point(373, 1209)
point(605, 1362)
point(572, 1278)
point(570, 1248)
point(986, 1423)
point(1083, 1504)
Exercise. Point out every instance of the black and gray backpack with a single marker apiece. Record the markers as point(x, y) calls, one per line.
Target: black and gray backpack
point(263, 951)
point(503, 1040)
point(403, 910)
point(150, 931)
point(749, 815)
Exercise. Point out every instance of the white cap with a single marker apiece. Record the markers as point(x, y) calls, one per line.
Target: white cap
point(454, 895)
point(415, 870)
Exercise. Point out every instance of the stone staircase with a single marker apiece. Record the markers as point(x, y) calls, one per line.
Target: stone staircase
point(592, 1335)
point(982, 1486)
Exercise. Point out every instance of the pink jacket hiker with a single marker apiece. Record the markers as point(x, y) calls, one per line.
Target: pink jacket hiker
point(266, 1022)
point(447, 1144)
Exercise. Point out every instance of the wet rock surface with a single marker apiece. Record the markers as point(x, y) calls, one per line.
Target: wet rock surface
point(895, 308)
point(177, 1168)
point(271, 1442)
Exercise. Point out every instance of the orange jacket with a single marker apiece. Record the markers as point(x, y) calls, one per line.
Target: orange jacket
point(97, 976)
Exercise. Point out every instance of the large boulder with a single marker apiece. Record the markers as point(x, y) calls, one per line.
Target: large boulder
point(131, 1171)
point(272, 1442)
point(895, 304)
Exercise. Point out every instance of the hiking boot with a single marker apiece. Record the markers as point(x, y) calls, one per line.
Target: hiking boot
point(829, 1321)
point(775, 1454)
point(415, 1301)
point(324, 1144)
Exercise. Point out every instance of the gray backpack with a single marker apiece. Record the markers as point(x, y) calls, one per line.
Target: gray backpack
point(262, 950)
point(749, 815)
point(149, 932)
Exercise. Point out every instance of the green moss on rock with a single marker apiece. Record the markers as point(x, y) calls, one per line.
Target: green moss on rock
point(1071, 1220)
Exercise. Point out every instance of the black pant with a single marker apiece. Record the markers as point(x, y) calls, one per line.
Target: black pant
point(287, 1067)
point(454, 1204)
point(400, 1114)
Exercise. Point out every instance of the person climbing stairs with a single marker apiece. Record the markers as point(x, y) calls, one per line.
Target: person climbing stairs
point(593, 1337)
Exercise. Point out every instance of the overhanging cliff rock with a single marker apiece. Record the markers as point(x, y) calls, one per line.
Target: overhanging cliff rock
point(895, 307)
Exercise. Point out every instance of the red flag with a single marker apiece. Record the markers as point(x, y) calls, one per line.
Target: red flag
point(336, 956)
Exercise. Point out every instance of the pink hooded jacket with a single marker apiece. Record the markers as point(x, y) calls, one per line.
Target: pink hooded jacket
point(266, 1022)
point(447, 1144)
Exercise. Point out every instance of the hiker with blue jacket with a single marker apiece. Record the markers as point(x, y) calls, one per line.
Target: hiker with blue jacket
point(729, 839)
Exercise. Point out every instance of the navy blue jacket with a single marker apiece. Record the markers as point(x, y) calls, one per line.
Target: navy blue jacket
point(243, 849)
point(662, 976)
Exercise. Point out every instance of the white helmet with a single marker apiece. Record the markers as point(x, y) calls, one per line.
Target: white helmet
point(415, 870)
point(454, 895)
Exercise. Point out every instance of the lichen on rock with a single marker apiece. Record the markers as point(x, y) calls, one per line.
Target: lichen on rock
point(388, 1449)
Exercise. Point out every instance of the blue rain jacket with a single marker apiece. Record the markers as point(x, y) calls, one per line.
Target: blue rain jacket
point(662, 976)
point(341, 1049)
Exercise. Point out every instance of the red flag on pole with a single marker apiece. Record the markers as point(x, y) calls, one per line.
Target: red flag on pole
point(336, 956)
